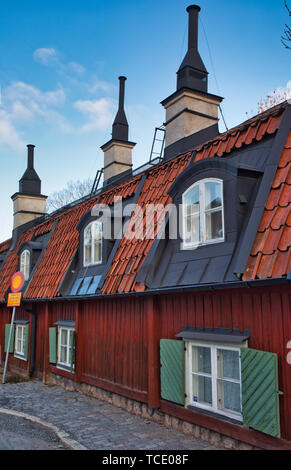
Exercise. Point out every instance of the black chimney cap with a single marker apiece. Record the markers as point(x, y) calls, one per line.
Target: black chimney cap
point(192, 73)
point(30, 182)
point(193, 7)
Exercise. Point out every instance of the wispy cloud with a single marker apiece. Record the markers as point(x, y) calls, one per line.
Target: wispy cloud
point(99, 113)
point(46, 56)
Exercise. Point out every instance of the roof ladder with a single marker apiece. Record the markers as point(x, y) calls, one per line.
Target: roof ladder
point(97, 180)
point(158, 143)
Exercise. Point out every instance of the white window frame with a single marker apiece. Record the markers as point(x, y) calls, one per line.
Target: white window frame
point(19, 329)
point(25, 264)
point(202, 214)
point(214, 376)
point(64, 365)
point(93, 263)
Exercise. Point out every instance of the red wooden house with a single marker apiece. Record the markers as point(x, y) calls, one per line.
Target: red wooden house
point(195, 325)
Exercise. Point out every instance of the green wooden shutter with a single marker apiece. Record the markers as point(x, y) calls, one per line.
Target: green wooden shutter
point(53, 345)
point(172, 353)
point(7, 329)
point(72, 350)
point(26, 341)
point(260, 394)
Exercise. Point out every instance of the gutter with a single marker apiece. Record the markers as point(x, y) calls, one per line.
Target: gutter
point(168, 290)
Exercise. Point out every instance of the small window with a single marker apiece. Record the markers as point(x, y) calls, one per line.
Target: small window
point(19, 341)
point(66, 347)
point(214, 378)
point(203, 220)
point(25, 264)
point(93, 244)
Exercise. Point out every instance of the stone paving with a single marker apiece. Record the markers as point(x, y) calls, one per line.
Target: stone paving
point(20, 434)
point(93, 423)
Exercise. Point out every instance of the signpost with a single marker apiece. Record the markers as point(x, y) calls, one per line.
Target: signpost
point(14, 300)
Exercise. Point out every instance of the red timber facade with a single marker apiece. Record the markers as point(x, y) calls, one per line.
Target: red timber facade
point(200, 332)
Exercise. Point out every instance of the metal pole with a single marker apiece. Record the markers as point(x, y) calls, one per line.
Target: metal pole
point(8, 346)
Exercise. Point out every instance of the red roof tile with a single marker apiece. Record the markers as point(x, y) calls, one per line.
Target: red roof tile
point(245, 134)
point(4, 246)
point(271, 252)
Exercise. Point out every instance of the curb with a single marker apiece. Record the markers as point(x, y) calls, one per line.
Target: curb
point(63, 436)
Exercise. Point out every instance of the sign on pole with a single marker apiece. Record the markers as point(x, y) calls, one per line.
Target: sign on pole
point(14, 300)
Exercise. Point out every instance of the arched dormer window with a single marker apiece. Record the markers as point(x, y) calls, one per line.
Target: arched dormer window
point(93, 244)
point(25, 264)
point(203, 219)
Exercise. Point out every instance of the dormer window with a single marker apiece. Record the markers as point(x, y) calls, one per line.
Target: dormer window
point(93, 244)
point(25, 264)
point(203, 220)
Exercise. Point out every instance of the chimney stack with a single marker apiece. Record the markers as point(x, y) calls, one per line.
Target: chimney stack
point(28, 203)
point(118, 150)
point(191, 112)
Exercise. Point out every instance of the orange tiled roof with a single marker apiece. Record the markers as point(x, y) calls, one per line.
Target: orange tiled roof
point(270, 255)
point(250, 131)
point(131, 253)
point(4, 246)
point(64, 243)
point(61, 246)
point(271, 252)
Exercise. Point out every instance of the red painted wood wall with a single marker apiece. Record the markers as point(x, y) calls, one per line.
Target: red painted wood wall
point(117, 339)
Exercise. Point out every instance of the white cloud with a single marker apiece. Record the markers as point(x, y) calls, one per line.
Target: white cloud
point(76, 68)
point(46, 56)
point(9, 136)
point(100, 113)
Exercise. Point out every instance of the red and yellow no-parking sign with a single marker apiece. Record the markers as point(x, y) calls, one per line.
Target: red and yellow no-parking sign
point(16, 284)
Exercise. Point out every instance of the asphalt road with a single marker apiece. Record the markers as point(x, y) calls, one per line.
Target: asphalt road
point(20, 434)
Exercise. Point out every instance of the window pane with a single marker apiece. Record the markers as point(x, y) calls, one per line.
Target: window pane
point(97, 231)
point(213, 196)
point(201, 360)
point(229, 396)
point(192, 234)
point(63, 357)
point(228, 364)
point(214, 227)
point(202, 389)
point(192, 200)
point(97, 251)
point(64, 335)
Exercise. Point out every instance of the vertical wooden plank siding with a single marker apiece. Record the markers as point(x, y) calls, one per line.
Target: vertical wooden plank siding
point(115, 342)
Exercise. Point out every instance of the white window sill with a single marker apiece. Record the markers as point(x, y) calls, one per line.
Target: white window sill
point(20, 356)
point(234, 418)
point(198, 245)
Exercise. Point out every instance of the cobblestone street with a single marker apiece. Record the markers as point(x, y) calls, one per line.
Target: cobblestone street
point(92, 423)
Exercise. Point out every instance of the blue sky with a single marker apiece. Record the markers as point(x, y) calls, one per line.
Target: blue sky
point(60, 61)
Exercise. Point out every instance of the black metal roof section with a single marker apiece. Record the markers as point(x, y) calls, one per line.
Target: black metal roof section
point(217, 335)
point(192, 72)
point(30, 182)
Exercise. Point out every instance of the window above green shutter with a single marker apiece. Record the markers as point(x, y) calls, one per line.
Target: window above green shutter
point(172, 354)
point(260, 394)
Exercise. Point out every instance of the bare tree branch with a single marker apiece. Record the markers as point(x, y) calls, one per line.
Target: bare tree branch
point(72, 192)
point(286, 38)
